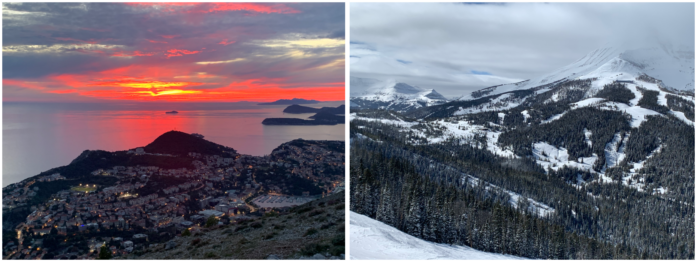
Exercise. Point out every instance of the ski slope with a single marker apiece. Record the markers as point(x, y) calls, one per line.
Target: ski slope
point(374, 240)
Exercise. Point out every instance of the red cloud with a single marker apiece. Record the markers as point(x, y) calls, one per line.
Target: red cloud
point(218, 7)
point(259, 8)
point(169, 36)
point(62, 91)
point(136, 53)
point(180, 52)
point(223, 42)
point(186, 52)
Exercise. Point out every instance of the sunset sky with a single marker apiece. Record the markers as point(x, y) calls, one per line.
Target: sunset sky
point(173, 52)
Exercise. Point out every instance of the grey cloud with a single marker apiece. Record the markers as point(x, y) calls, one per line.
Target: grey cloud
point(514, 41)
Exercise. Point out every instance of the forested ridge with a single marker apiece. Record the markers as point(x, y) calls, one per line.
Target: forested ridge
point(425, 187)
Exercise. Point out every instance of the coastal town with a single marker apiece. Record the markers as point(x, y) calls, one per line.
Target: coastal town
point(149, 205)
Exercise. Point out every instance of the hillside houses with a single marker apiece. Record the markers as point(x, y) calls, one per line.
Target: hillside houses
point(150, 198)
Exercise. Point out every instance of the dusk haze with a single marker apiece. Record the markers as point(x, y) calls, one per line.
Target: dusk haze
point(161, 130)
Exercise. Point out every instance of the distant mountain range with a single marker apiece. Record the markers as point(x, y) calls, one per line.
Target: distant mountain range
point(390, 95)
point(291, 102)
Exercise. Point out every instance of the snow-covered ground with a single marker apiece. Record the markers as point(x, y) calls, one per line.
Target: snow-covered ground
point(374, 240)
point(549, 156)
point(502, 102)
point(461, 130)
point(534, 206)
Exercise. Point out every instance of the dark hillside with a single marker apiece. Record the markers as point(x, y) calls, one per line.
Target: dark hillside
point(179, 143)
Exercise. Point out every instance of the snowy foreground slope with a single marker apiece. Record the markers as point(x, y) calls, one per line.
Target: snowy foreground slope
point(371, 239)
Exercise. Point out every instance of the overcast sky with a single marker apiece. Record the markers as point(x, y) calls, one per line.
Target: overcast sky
point(173, 51)
point(457, 48)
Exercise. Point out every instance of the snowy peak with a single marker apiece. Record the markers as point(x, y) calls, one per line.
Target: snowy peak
point(432, 94)
point(402, 88)
point(391, 90)
point(392, 95)
point(673, 66)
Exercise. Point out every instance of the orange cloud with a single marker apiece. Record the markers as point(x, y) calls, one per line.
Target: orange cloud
point(169, 36)
point(145, 84)
point(273, 93)
point(163, 83)
point(169, 92)
point(135, 53)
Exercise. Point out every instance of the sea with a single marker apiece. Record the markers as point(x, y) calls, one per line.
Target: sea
point(39, 136)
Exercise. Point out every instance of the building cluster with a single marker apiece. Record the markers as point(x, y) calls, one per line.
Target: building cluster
point(52, 177)
point(311, 162)
point(223, 186)
point(15, 196)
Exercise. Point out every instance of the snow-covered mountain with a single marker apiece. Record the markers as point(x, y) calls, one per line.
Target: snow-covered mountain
point(613, 131)
point(374, 240)
point(634, 84)
point(391, 95)
point(674, 67)
point(662, 69)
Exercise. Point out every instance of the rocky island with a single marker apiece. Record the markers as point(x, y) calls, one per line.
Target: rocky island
point(323, 116)
point(297, 109)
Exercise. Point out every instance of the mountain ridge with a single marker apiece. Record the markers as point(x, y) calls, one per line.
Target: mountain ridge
point(393, 95)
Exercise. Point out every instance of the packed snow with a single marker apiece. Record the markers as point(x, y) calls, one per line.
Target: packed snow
point(593, 101)
point(553, 118)
point(534, 206)
point(374, 240)
point(633, 178)
point(463, 131)
point(493, 147)
point(615, 151)
point(637, 113)
point(502, 102)
point(526, 115)
point(549, 156)
point(587, 133)
point(682, 117)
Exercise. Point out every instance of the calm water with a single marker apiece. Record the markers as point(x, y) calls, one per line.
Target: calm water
point(38, 137)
